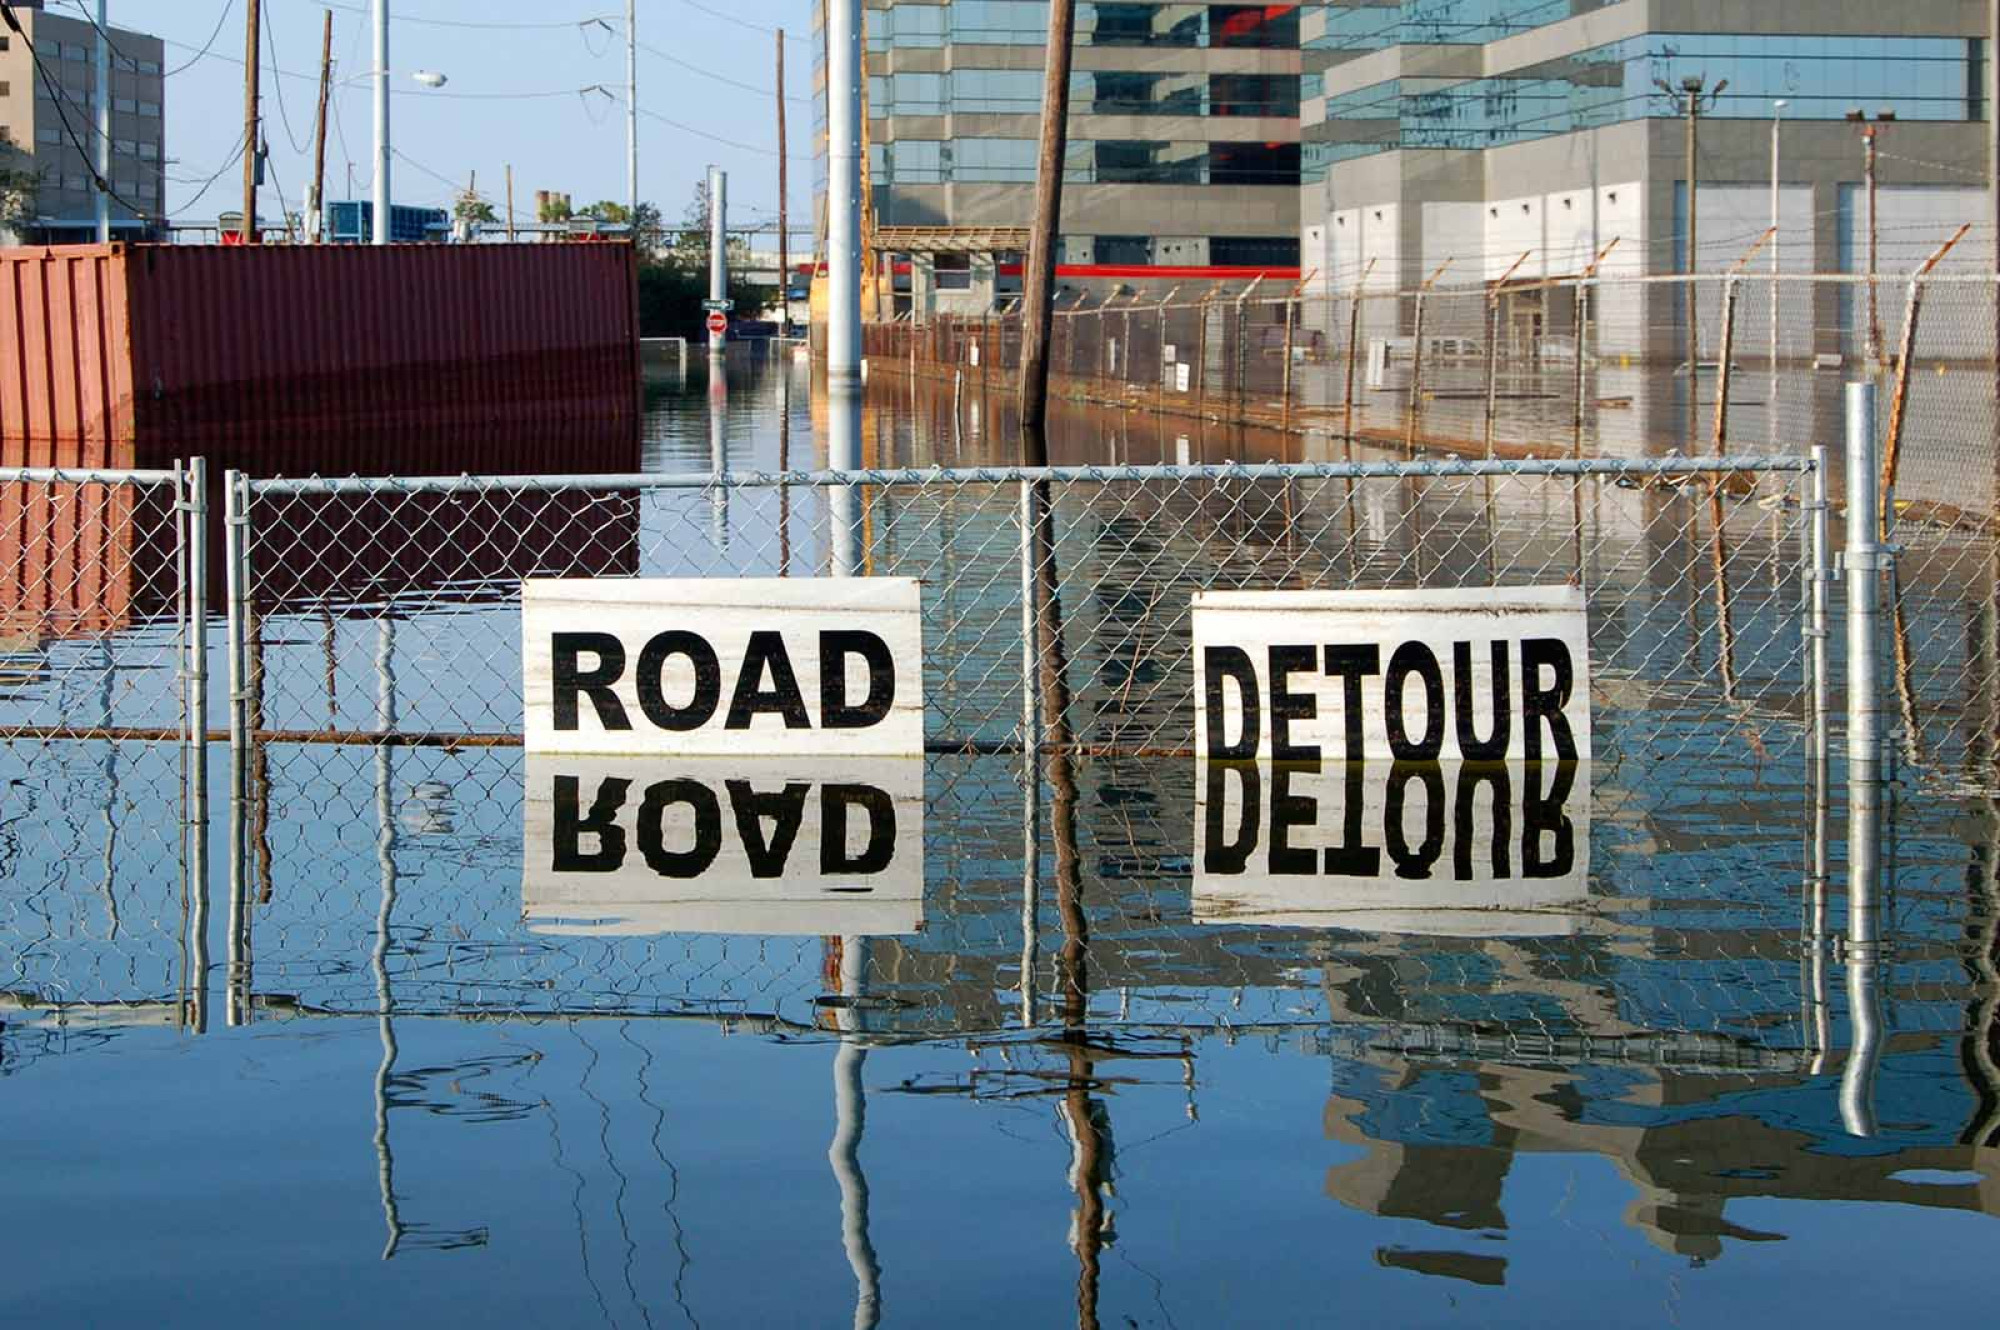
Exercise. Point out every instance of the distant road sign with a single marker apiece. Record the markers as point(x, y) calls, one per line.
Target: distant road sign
point(724, 305)
point(718, 322)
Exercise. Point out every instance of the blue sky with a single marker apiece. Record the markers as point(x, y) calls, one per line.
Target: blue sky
point(514, 96)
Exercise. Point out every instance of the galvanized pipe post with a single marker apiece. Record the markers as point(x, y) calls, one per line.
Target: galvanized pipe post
point(1818, 575)
point(197, 649)
point(382, 150)
point(1865, 561)
point(843, 208)
point(1032, 497)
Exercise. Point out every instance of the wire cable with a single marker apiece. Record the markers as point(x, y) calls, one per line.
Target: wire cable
point(58, 97)
point(207, 46)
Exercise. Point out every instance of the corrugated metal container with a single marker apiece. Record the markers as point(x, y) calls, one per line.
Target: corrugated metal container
point(419, 359)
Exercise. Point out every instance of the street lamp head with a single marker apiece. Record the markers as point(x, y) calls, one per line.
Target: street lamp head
point(1665, 87)
point(1780, 104)
point(1885, 113)
point(430, 78)
point(1854, 115)
point(1692, 83)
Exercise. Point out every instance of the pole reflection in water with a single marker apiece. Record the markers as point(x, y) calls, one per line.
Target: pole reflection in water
point(850, 1099)
point(1085, 1119)
point(785, 464)
point(718, 453)
point(385, 858)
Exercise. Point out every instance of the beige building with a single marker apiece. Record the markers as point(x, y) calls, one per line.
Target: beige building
point(55, 197)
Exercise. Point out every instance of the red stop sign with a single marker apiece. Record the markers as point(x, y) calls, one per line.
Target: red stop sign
point(718, 322)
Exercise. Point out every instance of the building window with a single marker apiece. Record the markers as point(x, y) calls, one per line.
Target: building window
point(1254, 251)
point(149, 67)
point(76, 182)
point(77, 53)
point(954, 272)
point(5, 88)
point(6, 134)
point(149, 152)
point(48, 136)
point(124, 105)
point(125, 147)
point(1127, 251)
point(151, 109)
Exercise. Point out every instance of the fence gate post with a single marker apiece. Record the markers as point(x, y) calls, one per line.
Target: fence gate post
point(1864, 565)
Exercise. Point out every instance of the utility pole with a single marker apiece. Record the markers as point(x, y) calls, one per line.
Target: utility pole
point(1039, 282)
point(316, 201)
point(510, 203)
point(718, 258)
point(784, 255)
point(381, 228)
point(843, 201)
point(1874, 238)
point(1688, 99)
point(103, 126)
point(251, 64)
point(632, 116)
point(1771, 406)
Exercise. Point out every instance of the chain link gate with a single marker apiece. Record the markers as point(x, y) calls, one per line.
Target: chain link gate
point(102, 739)
point(375, 643)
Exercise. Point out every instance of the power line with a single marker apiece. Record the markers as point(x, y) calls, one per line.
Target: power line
point(423, 21)
point(719, 78)
point(206, 46)
point(268, 43)
point(741, 22)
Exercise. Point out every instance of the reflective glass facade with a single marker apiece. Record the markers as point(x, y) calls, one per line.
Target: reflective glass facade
point(1098, 92)
point(1088, 161)
point(1026, 23)
point(1921, 78)
point(1357, 25)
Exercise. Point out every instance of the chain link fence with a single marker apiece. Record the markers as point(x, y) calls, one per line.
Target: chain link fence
point(101, 719)
point(376, 640)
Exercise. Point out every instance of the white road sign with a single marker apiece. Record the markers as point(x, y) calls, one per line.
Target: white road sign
point(734, 666)
point(1482, 674)
point(711, 845)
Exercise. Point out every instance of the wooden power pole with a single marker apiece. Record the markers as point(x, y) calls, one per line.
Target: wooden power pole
point(784, 253)
point(1039, 283)
point(251, 63)
point(316, 201)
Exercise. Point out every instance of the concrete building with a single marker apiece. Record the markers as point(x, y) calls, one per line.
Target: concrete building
point(57, 201)
point(1488, 132)
point(1183, 161)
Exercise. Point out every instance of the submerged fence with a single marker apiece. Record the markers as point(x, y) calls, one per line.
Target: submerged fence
point(375, 849)
point(1572, 365)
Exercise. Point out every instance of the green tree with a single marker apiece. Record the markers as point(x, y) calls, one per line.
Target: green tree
point(17, 193)
point(473, 210)
point(645, 231)
point(673, 272)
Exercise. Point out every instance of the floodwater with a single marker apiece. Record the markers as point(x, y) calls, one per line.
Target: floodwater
point(1071, 1065)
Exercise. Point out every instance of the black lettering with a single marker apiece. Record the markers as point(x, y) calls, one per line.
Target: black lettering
point(1538, 702)
point(1350, 664)
point(1544, 816)
point(1416, 867)
point(787, 808)
point(567, 680)
point(1288, 706)
point(782, 698)
point(1290, 810)
point(834, 801)
point(700, 708)
point(569, 855)
point(835, 646)
point(695, 860)
point(1220, 854)
point(1414, 658)
point(1471, 776)
point(1353, 857)
point(1470, 746)
point(1218, 664)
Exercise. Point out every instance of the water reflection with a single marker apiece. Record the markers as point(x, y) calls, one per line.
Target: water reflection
point(1112, 1062)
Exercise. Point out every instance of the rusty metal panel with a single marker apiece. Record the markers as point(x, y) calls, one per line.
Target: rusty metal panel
point(412, 359)
point(65, 362)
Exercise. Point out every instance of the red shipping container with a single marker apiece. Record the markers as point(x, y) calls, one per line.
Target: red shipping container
point(336, 359)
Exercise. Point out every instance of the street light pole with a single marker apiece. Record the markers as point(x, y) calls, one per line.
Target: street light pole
point(843, 199)
point(632, 117)
point(381, 236)
point(103, 126)
point(1771, 405)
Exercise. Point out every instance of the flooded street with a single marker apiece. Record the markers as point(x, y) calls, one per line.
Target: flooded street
point(1094, 1065)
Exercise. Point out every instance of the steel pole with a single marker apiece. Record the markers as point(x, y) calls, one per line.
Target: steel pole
point(1771, 399)
point(632, 117)
point(1864, 788)
point(381, 228)
point(103, 125)
point(718, 256)
point(843, 209)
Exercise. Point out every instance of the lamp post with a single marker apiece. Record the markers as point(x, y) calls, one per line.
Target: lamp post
point(1689, 100)
point(1771, 405)
point(381, 228)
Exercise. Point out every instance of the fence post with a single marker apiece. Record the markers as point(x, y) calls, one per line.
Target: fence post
point(1863, 562)
point(1719, 435)
point(197, 642)
point(235, 523)
point(1411, 416)
point(1353, 341)
point(1285, 388)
